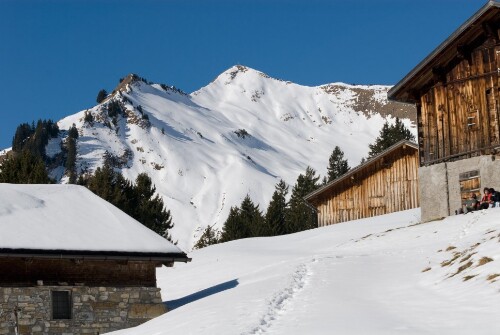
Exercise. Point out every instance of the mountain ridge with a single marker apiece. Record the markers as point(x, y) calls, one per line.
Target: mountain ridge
point(237, 135)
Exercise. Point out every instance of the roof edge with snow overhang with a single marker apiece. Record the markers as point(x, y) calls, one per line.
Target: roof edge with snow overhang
point(164, 258)
point(69, 221)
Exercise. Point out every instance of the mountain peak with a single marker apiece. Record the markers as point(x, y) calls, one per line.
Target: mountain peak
point(242, 71)
point(129, 79)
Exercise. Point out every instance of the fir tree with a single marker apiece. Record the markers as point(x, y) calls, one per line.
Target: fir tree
point(24, 168)
point(23, 132)
point(275, 219)
point(209, 237)
point(245, 221)
point(71, 154)
point(71, 160)
point(337, 165)
point(88, 117)
point(390, 135)
point(151, 209)
point(101, 96)
point(231, 229)
point(34, 138)
point(251, 218)
point(103, 183)
point(114, 109)
point(300, 215)
point(138, 200)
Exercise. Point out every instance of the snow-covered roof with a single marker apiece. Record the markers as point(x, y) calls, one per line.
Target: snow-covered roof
point(71, 220)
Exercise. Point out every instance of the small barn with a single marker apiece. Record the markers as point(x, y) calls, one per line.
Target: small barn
point(71, 263)
point(384, 184)
point(456, 91)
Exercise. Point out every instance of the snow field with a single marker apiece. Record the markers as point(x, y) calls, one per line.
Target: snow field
point(382, 275)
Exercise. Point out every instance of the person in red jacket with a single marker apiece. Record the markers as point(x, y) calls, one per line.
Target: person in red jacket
point(486, 199)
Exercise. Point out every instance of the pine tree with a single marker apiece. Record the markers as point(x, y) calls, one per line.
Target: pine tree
point(300, 215)
point(138, 200)
point(388, 136)
point(101, 96)
point(23, 132)
point(275, 219)
point(34, 138)
point(151, 210)
point(337, 165)
point(251, 218)
point(209, 237)
point(242, 222)
point(24, 168)
point(71, 154)
point(103, 183)
point(231, 229)
point(88, 117)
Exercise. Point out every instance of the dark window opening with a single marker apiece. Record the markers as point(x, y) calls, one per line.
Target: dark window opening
point(61, 305)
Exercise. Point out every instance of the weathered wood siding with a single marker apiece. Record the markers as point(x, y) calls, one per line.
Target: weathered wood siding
point(458, 117)
point(388, 185)
point(26, 272)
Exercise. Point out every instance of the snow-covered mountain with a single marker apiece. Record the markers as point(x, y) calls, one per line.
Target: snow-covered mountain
point(238, 135)
point(381, 275)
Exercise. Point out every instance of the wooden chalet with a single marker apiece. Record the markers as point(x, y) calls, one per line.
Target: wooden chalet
point(71, 263)
point(456, 92)
point(384, 184)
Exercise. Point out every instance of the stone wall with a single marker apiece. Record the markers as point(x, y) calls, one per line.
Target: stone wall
point(95, 310)
point(440, 186)
point(433, 187)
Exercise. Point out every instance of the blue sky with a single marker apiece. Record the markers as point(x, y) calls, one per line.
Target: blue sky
point(56, 55)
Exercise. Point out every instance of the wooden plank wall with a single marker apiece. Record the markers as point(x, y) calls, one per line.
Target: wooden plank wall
point(387, 186)
point(22, 272)
point(459, 116)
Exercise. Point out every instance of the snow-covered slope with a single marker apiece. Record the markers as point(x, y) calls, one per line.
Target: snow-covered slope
point(383, 275)
point(240, 134)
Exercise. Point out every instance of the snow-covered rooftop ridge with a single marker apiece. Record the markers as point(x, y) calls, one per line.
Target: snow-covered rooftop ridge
point(71, 218)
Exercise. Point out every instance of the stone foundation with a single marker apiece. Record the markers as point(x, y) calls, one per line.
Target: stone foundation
point(95, 310)
point(439, 184)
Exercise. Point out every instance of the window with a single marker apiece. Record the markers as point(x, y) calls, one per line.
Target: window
point(469, 182)
point(61, 305)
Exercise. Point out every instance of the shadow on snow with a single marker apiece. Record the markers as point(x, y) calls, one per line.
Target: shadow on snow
point(173, 304)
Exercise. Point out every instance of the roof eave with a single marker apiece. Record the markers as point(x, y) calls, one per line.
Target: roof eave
point(395, 92)
point(164, 258)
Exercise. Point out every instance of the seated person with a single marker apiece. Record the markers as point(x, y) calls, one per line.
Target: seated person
point(495, 197)
point(471, 204)
point(486, 199)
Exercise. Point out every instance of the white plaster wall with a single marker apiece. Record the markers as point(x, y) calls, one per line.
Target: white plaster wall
point(433, 192)
point(440, 186)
